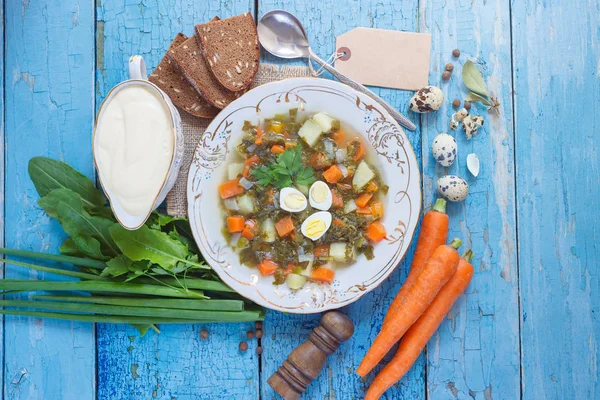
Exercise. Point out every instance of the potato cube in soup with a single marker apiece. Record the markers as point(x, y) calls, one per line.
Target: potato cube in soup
point(310, 132)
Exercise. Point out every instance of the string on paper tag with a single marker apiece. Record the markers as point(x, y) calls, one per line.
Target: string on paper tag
point(330, 60)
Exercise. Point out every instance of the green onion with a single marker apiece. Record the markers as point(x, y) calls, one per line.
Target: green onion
point(108, 319)
point(108, 287)
point(82, 262)
point(190, 283)
point(58, 271)
point(224, 316)
point(207, 305)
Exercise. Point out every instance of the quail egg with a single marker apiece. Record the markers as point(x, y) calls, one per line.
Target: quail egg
point(320, 196)
point(452, 188)
point(292, 200)
point(444, 149)
point(426, 100)
point(471, 124)
point(315, 226)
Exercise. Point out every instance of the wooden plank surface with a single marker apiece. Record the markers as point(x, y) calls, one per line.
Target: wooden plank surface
point(176, 363)
point(2, 187)
point(475, 353)
point(557, 68)
point(323, 21)
point(49, 111)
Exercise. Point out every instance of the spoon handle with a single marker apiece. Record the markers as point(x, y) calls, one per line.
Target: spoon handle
point(405, 122)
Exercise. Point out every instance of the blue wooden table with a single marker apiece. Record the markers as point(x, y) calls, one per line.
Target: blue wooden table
point(528, 326)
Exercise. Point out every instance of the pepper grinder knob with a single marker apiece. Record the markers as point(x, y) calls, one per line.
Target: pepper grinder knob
point(306, 361)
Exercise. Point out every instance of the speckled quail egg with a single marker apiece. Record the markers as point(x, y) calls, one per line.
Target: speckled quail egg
point(444, 149)
point(452, 188)
point(315, 226)
point(290, 199)
point(426, 100)
point(471, 124)
point(319, 196)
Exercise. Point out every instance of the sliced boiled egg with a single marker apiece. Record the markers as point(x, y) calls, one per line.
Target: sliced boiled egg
point(320, 196)
point(316, 225)
point(292, 200)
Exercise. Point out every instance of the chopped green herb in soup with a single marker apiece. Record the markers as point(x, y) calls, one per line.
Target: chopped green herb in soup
point(301, 199)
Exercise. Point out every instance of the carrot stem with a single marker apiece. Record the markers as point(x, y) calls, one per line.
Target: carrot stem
point(440, 206)
point(468, 256)
point(456, 243)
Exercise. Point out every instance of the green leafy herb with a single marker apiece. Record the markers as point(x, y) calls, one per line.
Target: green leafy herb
point(285, 171)
point(478, 89)
point(67, 207)
point(151, 245)
point(48, 174)
point(117, 266)
point(85, 246)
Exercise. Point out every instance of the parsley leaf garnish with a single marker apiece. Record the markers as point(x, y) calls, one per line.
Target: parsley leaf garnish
point(286, 170)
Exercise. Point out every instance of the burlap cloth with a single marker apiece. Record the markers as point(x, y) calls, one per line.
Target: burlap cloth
point(193, 127)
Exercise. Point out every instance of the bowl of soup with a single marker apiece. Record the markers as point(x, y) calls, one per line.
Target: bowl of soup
point(303, 195)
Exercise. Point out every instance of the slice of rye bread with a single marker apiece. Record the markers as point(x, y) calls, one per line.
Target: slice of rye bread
point(188, 58)
point(231, 49)
point(167, 77)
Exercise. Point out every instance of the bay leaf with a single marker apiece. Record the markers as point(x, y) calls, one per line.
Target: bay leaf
point(473, 97)
point(67, 207)
point(151, 245)
point(48, 174)
point(473, 79)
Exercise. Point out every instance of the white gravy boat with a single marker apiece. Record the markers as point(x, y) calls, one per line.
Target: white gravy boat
point(139, 76)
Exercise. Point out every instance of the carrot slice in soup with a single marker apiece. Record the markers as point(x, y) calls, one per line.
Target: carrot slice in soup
point(333, 174)
point(230, 189)
point(322, 250)
point(267, 267)
point(323, 274)
point(376, 231)
point(235, 223)
point(363, 199)
point(284, 226)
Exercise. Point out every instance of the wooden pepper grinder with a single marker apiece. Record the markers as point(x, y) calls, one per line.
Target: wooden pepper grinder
point(307, 360)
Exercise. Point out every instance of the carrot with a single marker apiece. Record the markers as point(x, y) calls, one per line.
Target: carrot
point(336, 199)
point(363, 199)
point(249, 163)
point(333, 174)
point(434, 233)
point(259, 136)
point(323, 274)
point(320, 161)
point(277, 128)
point(250, 229)
point(277, 149)
point(287, 135)
point(339, 137)
point(377, 209)
point(284, 226)
point(267, 267)
point(230, 189)
point(289, 268)
point(372, 187)
point(235, 223)
point(437, 271)
point(356, 149)
point(376, 231)
point(364, 210)
point(322, 250)
point(418, 335)
point(338, 222)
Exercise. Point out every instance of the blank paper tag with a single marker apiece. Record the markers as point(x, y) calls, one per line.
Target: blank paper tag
point(381, 57)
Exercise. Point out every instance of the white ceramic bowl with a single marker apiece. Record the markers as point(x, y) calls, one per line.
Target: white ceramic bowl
point(397, 164)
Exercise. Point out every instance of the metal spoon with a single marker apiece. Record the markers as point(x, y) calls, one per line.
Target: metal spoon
point(282, 35)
